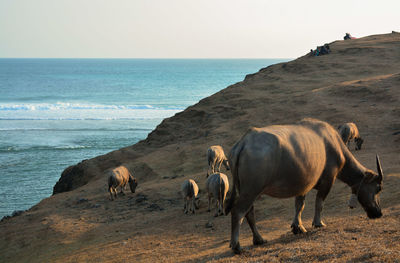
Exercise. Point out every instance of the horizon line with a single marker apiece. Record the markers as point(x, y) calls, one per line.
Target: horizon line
point(131, 58)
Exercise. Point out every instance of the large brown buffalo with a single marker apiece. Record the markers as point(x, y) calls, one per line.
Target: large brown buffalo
point(288, 161)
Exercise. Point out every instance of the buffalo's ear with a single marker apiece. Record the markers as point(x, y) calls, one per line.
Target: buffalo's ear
point(132, 179)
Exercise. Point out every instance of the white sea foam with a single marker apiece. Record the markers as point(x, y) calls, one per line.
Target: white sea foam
point(77, 111)
point(78, 106)
point(73, 129)
point(41, 148)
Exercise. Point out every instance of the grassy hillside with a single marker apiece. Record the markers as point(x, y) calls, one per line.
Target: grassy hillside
point(358, 81)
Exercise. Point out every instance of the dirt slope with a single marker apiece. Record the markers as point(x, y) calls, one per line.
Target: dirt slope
point(359, 81)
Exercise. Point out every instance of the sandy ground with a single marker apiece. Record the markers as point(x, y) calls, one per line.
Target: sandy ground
point(359, 82)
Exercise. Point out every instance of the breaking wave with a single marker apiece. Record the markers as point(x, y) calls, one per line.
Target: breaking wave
point(76, 111)
point(77, 106)
point(5, 149)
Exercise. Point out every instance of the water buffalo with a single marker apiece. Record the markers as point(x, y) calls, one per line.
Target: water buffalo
point(216, 157)
point(217, 186)
point(348, 132)
point(119, 177)
point(288, 161)
point(189, 190)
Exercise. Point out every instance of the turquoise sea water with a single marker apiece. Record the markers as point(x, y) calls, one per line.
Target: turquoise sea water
point(57, 112)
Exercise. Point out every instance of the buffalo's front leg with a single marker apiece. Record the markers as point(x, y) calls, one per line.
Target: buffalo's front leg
point(319, 202)
point(323, 189)
point(317, 222)
point(297, 225)
point(219, 166)
point(214, 166)
point(111, 193)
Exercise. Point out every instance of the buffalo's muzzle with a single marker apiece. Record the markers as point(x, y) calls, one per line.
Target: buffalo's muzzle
point(375, 214)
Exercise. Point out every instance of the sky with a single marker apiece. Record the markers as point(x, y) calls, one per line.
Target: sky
point(185, 28)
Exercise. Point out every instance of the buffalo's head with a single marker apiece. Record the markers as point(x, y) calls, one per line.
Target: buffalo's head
point(226, 164)
point(368, 191)
point(359, 141)
point(132, 183)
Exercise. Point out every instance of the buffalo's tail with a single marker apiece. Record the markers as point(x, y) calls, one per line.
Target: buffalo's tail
point(234, 165)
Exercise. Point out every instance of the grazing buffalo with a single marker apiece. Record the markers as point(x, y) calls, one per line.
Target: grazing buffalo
point(119, 177)
point(189, 193)
point(216, 157)
point(288, 161)
point(217, 186)
point(348, 132)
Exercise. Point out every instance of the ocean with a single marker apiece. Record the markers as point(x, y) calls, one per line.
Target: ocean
point(57, 112)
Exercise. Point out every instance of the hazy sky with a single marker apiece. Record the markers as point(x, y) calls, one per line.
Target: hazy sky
point(185, 28)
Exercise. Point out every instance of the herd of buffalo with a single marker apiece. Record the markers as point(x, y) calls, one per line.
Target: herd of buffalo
point(281, 161)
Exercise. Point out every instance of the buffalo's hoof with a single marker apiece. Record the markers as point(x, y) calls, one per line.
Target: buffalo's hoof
point(319, 224)
point(208, 210)
point(298, 229)
point(197, 204)
point(216, 215)
point(236, 248)
point(185, 212)
point(258, 241)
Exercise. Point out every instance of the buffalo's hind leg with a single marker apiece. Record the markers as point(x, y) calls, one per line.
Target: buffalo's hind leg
point(193, 205)
point(297, 225)
point(238, 212)
point(216, 208)
point(185, 206)
point(209, 203)
point(250, 217)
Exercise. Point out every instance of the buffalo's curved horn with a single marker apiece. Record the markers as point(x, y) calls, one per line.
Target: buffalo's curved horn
point(379, 168)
